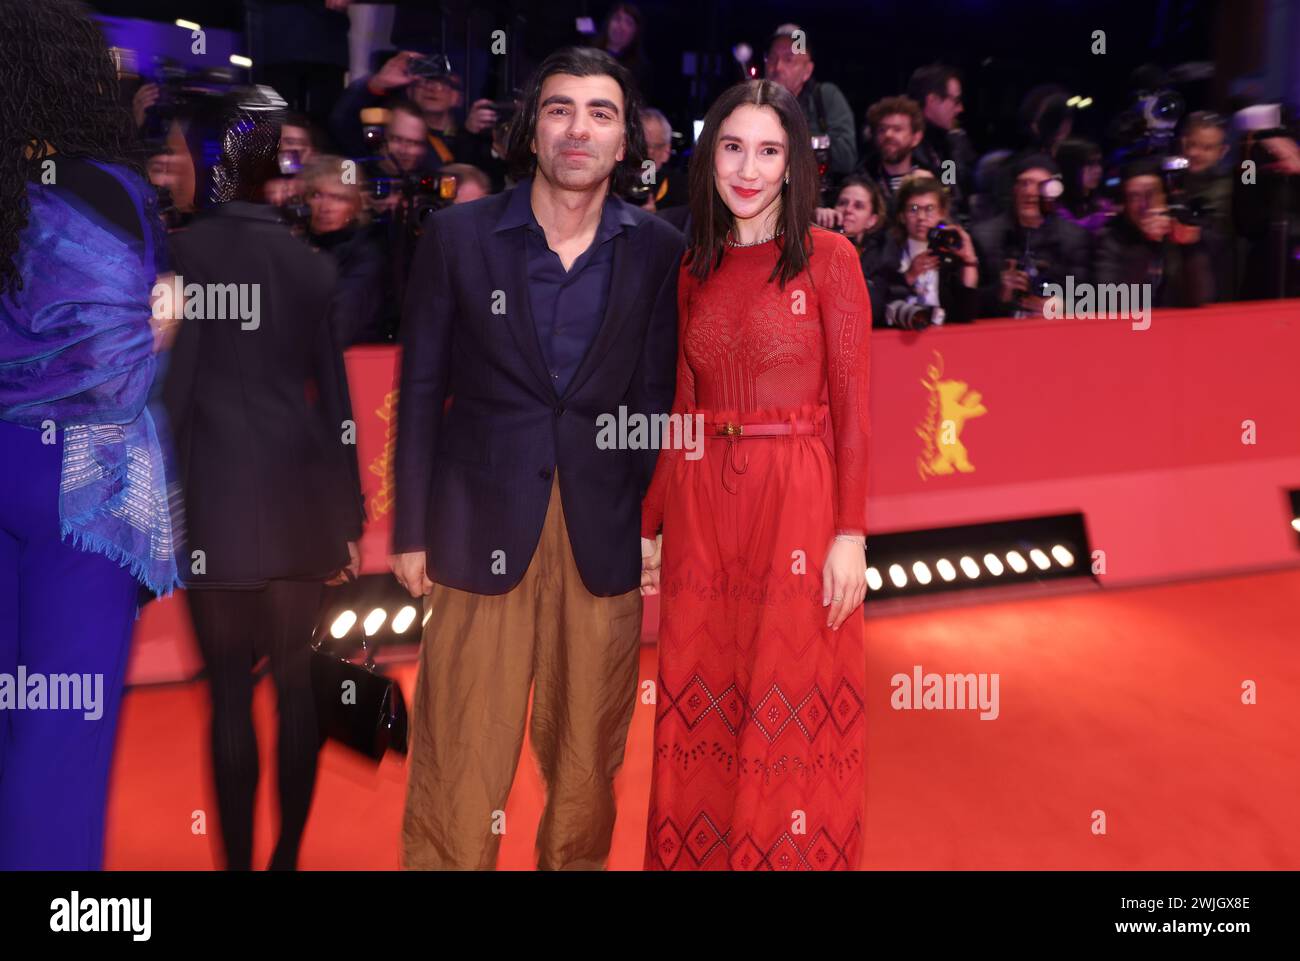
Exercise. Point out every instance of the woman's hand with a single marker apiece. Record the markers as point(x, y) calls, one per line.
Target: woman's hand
point(828, 217)
point(844, 579)
point(922, 262)
point(350, 572)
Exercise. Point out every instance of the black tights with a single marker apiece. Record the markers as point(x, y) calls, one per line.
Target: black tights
point(234, 628)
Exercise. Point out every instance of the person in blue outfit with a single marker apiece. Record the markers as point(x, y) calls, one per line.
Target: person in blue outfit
point(86, 512)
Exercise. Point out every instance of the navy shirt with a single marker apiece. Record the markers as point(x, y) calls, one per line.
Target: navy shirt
point(568, 307)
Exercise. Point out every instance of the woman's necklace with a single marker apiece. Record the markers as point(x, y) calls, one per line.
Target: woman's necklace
point(754, 243)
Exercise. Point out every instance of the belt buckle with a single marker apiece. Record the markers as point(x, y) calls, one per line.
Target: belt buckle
point(731, 430)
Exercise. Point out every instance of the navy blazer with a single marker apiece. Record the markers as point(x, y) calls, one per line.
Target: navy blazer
point(474, 481)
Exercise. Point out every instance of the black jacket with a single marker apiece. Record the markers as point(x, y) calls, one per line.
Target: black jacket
point(1181, 275)
point(1061, 249)
point(258, 407)
point(474, 481)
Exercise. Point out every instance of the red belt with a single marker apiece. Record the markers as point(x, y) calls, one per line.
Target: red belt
point(732, 432)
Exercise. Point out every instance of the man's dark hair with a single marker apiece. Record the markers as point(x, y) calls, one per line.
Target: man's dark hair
point(60, 89)
point(579, 62)
point(931, 79)
point(896, 106)
point(1205, 118)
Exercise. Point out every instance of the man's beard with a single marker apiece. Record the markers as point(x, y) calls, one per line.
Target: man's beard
point(893, 155)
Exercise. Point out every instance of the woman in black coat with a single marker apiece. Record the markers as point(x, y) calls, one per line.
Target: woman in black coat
point(258, 402)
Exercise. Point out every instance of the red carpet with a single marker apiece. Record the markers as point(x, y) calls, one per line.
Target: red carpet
point(1123, 701)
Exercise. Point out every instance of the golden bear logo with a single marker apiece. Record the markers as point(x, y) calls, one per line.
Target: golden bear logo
point(382, 466)
point(951, 404)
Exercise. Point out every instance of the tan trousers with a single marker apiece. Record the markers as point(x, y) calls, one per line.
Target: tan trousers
point(479, 656)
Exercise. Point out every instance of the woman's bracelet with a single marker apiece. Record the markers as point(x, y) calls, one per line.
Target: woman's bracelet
point(859, 539)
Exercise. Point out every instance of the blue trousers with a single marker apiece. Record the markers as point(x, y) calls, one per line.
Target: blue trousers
point(62, 611)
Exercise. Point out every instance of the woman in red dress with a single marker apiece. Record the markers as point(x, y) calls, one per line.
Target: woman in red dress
point(760, 737)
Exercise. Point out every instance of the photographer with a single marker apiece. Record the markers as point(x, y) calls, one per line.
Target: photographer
point(1265, 206)
point(1146, 243)
point(789, 62)
point(927, 272)
point(428, 82)
point(937, 88)
point(338, 227)
point(1029, 246)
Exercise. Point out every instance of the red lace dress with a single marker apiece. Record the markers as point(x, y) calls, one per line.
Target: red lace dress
point(760, 738)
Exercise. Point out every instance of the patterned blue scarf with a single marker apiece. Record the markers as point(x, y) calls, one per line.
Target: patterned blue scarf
point(76, 352)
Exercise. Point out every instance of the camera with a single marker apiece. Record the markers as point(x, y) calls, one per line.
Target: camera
point(430, 67)
point(1192, 211)
point(910, 316)
point(944, 242)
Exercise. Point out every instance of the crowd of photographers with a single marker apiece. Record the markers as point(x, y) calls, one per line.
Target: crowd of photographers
point(1196, 205)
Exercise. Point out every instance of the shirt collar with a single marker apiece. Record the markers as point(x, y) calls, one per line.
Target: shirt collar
point(615, 216)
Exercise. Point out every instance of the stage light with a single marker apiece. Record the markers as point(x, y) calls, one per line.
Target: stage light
point(374, 621)
point(240, 61)
point(342, 624)
point(188, 25)
point(403, 619)
point(1073, 101)
point(1024, 552)
point(1063, 556)
point(1295, 523)
point(1085, 103)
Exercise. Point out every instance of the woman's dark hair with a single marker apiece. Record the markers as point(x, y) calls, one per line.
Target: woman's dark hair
point(919, 184)
point(633, 55)
point(1072, 156)
point(711, 219)
point(59, 95)
point(578, 62)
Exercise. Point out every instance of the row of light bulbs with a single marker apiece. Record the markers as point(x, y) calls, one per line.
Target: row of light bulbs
point(373, 621)
point(970, 567)
point(405, 617)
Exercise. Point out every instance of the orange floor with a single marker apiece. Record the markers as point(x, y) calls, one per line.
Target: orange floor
point(1126, 702)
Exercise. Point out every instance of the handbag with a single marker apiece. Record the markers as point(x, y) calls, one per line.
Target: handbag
point(356, 705)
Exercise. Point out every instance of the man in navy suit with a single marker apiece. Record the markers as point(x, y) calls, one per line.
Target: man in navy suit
point(530, 315)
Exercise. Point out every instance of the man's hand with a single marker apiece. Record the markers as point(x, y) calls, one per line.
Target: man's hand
point(393, 74)
point(1013, 282)
point(1156, 224)
point(651, 555)
point(409, 570)
point(481, 117)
